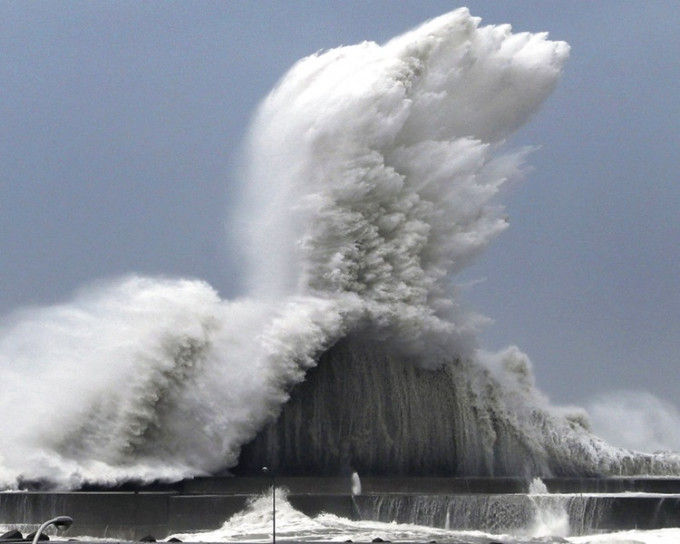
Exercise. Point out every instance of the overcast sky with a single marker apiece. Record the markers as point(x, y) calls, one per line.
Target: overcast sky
point(120, 124)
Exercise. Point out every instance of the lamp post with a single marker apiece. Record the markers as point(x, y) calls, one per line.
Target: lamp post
point(271, 474)
point(60, 522)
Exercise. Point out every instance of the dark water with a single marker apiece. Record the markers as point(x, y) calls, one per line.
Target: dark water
point(367, 408)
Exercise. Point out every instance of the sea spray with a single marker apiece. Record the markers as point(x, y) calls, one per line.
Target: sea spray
point(369, 408)
point(636, 420)
point(356, 484)
point(254, 524)
point(551, 517)
point(153, 379)
point(374, 177)
point(375, 170)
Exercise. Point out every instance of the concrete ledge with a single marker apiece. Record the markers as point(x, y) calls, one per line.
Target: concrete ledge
point(114, 515)
point(400, 484)
point(130, 516)
point(203, 504)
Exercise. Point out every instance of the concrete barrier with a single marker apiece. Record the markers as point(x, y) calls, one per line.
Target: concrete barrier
point(203, 504)
point(130, 516)
point(115, 515)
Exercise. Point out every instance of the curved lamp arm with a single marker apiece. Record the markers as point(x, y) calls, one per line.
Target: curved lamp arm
point(60, 522)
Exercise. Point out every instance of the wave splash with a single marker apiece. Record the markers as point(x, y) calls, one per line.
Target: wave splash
point(373, 177)
point(373, 170)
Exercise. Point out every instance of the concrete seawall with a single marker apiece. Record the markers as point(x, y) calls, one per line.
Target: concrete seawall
point(130, 516)
point(204, 504)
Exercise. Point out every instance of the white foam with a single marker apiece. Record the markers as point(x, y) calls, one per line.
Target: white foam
point(373, 178)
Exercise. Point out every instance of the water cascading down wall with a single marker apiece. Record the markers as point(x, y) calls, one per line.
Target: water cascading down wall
point(365, 408)
point(372, 178)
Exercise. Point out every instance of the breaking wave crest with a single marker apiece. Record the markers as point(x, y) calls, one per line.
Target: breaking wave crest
point(373, 178)
point(373, 170)
point(150, 379)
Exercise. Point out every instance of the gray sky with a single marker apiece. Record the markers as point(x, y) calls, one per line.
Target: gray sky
point(121, 121)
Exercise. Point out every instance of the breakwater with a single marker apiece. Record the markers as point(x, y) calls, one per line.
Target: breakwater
point(489, 504)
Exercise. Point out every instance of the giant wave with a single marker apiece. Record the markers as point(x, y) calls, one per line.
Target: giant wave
point(372, 178)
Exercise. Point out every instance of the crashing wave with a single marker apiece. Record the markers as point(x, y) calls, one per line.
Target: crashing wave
point(373, 179)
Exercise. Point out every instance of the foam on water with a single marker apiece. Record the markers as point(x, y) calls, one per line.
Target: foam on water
point(372, 178)
point(551, 515)
point(254, 524)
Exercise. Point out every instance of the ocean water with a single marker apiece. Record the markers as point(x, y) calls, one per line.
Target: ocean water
point(372, 176)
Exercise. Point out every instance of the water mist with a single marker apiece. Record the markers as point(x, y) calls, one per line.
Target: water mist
point(373, 177)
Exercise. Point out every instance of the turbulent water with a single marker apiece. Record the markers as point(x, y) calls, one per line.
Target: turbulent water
point(372, 178)
point(545, 523)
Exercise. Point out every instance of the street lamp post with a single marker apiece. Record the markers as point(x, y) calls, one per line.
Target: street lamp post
point(60, 522)
point(271, 474)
